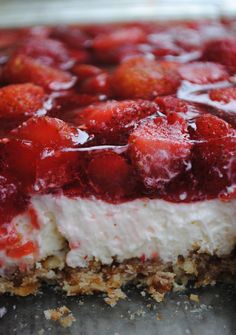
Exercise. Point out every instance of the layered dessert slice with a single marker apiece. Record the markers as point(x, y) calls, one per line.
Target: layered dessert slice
point(117, 157)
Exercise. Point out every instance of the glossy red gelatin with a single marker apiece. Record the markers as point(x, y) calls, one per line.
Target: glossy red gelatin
point(160, 122)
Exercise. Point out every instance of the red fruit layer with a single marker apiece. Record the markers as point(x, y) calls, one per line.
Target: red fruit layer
point(159, 123)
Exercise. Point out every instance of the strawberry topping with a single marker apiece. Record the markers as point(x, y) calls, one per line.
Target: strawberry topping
point(118, 112)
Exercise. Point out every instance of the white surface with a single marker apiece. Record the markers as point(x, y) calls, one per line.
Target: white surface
point(29, 12)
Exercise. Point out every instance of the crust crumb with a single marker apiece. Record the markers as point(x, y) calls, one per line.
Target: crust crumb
point(194, 297)
point(61, 314)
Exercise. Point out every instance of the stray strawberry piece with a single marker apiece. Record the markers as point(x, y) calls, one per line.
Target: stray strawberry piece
point(99, 84)
point(143, 78)
point(20, 99)
point(34, 217)
point(160, 149)
point(202, 73)
point(109, 173)
point(113, 119)
point(22, 250)
point(221, 51)
point(48, 132)
point(223, 95)
point(22, 69)
point(47, 51)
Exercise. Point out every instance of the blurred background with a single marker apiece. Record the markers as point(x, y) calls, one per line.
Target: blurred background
point(27, 12)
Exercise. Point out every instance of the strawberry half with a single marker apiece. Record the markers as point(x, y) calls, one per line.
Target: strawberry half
point(113, 120)
point(22, 69)
point(20, 99)
point(160, 149)
point(143, 78)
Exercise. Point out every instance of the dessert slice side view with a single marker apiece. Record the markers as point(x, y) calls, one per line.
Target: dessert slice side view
point(117, 158)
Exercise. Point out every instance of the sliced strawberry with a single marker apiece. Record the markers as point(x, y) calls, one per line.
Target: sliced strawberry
point(48, 132)
point(223, 95)
point(212, 127)
point(22, 69)
point(99, 84)
point(8, 37)
point(55, 169)
point(203, 72)
point(109, 47)
point(109, 173)
point(84, 71)
point(47, 51)
point(68, 101)
point(171, 104)
point(215, 154)
point(74, 37)
point(160, 149)
point(114, 119)
point(20, 99)
point(143, 78)
point(118, 37)
point(20, 157)
point(35, 153)
point(221, 51)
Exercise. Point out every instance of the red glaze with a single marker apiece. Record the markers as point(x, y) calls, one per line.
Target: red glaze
point(70, 126)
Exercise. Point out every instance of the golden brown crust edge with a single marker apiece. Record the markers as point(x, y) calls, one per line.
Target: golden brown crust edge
point(155, 277)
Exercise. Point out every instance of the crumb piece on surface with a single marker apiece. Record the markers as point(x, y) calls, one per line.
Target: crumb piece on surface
point(139, 313)
point(113, 296)
point(158, 316)
point(3, 311)
point(194, 297)
point(143, 294)
point(61, 314)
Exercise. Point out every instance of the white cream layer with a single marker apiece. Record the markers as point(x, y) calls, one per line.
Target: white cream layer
point(95, 228)
point(138, 228)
